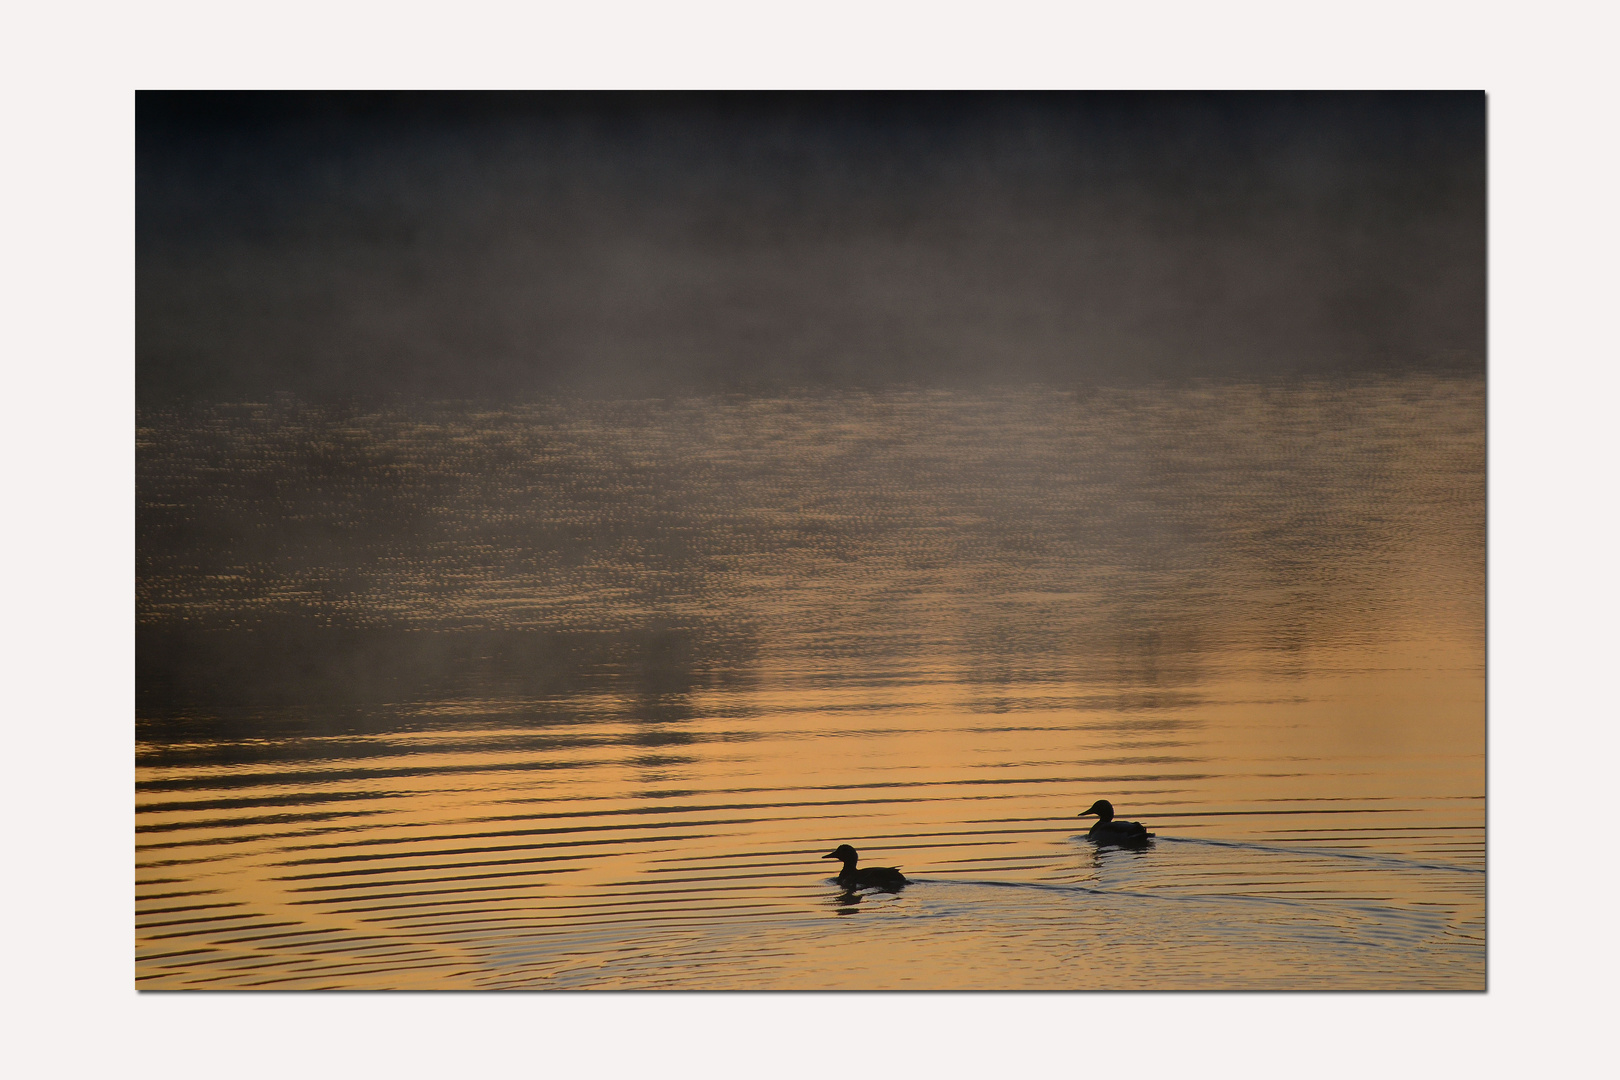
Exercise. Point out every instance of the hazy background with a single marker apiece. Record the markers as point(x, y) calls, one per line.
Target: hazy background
point(363, 244)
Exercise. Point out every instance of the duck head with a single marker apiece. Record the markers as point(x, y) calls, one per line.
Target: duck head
point(844, 853)
point(1102, 808)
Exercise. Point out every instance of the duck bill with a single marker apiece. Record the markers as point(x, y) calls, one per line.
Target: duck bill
point(830, 855)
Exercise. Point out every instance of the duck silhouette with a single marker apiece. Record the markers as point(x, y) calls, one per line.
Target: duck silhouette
point(1109, 831)
point(883, 877)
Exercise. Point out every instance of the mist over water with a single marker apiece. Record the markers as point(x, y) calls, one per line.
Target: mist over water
point(343, 246)
point(574, 693)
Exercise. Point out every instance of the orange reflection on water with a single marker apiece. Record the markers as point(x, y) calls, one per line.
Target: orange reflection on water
point(525, 699)
point(479, 855)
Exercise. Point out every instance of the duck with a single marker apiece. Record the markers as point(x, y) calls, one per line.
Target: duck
point(884, 877)
point(1109, 831)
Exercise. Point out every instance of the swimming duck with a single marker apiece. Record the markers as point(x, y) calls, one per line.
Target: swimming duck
point(884, 877)
point(1109, 831)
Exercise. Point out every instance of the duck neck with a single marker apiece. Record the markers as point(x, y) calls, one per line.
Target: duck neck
point(849, 869)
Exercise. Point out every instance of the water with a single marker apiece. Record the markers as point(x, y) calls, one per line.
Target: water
point(574, 694)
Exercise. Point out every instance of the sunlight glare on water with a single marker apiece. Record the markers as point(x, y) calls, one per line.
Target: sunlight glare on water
point(575, 694)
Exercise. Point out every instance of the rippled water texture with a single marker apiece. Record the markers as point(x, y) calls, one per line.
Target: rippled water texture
point(575, 694)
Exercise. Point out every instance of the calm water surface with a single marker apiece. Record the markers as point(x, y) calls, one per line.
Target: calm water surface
point(573, 695)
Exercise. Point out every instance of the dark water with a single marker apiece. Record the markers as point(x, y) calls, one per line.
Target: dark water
point(574, 694)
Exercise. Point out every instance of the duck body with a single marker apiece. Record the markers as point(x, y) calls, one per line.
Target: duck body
point(1109, 831)
point(881, 877)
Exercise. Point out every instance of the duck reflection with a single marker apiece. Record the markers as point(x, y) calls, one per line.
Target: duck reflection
point(847, 902)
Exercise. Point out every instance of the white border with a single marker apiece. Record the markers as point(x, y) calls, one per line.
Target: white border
point(68, 264)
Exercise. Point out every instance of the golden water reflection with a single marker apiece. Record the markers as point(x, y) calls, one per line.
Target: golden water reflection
point(521, 699)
